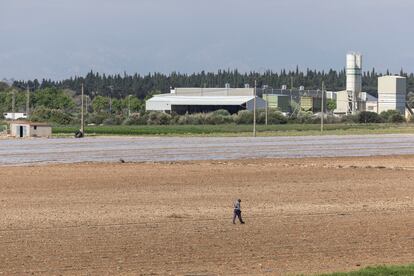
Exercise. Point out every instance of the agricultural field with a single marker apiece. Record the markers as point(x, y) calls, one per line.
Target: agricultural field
point(237, 130)
point(304, 216)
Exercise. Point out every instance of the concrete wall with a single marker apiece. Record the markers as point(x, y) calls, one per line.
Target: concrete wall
point(158, 105)
point(371, 106)
point(341, 102)
point(40, 131)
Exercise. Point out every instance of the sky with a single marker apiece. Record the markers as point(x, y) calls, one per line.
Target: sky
point(57, 39)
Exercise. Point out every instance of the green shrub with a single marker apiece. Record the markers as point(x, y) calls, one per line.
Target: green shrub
point(136, 119)
point(53, 98)
point(349, 118)
point(217, 119)
point(392, 116)
point(222, 112)
point(331, 119)
point(113, 120)
point(60, 117)
point(109, 121)
point(396, 118)
point(367, 117)
point(158, 118)
point(305, 117)
point(43, 114)
point(243, 117)
point(97, 118)
point(192, 119)
point(274, 117)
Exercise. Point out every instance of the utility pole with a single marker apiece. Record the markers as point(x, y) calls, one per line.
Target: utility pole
point(86, 104)
point(110, 98)
point(254, 110)
point(13, 104)
point(267, 108)
point(28, 102)
point(322, 105)
point(82, 119)
point(129, 106)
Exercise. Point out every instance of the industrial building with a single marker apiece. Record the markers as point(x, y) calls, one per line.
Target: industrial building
point(392, 92)
point(23, 129)
point(200, 100)
point(312, 104)
point(391, 96)
point(354, 81)
point(352, 100)
point(277, 101)
point(365, 102)
point(368, 102)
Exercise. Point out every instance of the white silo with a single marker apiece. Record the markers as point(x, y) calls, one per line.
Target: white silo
point(353, 79)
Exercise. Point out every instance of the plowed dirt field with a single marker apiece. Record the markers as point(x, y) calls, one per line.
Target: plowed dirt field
point(302, 216)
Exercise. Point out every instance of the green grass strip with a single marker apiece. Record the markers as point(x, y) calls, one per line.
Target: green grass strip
point(239, 130)
point(378, 271)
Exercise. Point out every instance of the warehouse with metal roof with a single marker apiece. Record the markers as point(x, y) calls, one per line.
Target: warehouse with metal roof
point(200, 100)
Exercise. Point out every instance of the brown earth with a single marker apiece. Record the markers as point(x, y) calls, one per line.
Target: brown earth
point(302, 216)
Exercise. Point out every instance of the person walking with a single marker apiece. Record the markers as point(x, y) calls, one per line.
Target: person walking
point(237, 212)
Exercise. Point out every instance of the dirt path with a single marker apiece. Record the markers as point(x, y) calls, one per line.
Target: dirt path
point(302, 216)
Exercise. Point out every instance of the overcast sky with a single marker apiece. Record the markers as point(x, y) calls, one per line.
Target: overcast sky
point(62, 38)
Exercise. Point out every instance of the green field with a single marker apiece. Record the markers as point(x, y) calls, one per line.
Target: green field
point(238, 130)
point(379, 271)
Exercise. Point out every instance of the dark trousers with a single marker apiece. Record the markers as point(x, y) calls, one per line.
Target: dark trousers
point(237, 213)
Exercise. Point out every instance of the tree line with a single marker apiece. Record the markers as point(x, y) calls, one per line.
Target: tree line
point(142, 86)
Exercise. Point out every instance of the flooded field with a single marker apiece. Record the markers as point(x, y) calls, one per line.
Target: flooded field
point(136, 149)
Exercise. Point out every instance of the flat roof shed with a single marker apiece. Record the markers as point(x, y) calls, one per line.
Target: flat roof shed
point(23, 129)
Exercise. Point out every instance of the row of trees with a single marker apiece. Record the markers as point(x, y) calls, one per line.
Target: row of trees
point(62, 106)
point(111, 99)
point(120, 86)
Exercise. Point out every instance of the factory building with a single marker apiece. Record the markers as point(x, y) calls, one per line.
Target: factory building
point(391, 96)
point(202, 100)
point(392, 92)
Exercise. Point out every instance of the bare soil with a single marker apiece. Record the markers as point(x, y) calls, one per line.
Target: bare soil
point(302, 216)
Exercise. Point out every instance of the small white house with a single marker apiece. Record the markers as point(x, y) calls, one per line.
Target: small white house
point(22, 129)
point(14, 115)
